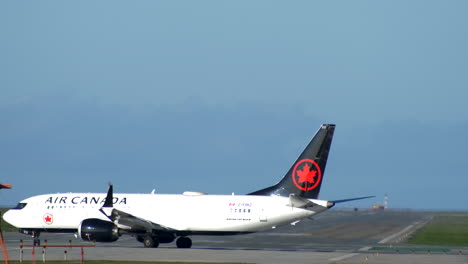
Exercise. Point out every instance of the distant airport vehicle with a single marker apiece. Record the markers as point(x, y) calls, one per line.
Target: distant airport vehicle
point(163, 218)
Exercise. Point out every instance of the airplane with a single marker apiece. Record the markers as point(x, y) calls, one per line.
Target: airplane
point(162, 218)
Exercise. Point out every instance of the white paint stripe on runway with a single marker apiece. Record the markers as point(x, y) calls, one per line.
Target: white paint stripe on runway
point(406, 229)
point(344, 257)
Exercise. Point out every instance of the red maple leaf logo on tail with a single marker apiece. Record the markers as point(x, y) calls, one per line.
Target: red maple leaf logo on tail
point(306, 175)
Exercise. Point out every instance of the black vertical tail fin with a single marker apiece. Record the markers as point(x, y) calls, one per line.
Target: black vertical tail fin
point(305, 177)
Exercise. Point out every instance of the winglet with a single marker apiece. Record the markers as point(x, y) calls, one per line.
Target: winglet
point(109, 197)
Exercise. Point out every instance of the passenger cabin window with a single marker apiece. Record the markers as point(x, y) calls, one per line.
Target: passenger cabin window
point(20, 206)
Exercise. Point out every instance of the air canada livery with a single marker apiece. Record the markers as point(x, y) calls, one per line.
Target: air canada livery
point(164, 218)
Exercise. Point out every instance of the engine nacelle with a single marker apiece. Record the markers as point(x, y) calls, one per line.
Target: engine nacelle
point(94, 229)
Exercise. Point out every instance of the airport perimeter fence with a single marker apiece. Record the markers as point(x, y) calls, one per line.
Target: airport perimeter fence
point(66, 253)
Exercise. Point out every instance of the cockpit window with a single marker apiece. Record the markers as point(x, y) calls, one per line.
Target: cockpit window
point(20, 206)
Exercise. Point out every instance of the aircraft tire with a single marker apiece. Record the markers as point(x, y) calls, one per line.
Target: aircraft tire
point(184, 242)
point(150, 242)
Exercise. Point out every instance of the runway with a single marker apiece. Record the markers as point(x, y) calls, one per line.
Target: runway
point(334, 236)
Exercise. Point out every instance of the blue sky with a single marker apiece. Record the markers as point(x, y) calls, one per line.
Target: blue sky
point(221, 96)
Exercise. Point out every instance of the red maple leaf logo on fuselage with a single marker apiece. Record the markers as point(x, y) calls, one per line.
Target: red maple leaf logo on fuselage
point(48, 219)
point(306, 175)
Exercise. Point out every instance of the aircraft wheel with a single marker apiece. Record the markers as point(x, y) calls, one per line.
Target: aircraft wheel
point(184, 242)
point(150, 242)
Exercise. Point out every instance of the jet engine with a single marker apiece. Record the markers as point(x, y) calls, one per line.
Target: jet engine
point(98, 230)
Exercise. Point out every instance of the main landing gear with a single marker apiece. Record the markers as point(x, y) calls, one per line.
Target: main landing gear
point(152, 241)
point(184, 242)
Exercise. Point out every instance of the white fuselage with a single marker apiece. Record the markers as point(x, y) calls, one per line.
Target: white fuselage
point(193, 213)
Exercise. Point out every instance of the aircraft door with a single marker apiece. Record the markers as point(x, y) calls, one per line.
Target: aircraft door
point(263, 215)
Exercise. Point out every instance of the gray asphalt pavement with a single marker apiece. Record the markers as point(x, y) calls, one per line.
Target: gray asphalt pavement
point(334, 236)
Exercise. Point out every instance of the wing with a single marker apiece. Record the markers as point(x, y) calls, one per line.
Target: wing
point(129, 222)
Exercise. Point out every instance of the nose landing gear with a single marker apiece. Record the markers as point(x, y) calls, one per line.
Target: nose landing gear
point(36, 239)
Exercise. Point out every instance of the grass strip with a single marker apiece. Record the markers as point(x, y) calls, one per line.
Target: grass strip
point(443, 230)
point(410, 249)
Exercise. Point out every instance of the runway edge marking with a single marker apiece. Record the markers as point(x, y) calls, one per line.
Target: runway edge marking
point(393, 236)
point(344, 257)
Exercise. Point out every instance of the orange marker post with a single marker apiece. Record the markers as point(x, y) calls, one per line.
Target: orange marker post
point(5, 186)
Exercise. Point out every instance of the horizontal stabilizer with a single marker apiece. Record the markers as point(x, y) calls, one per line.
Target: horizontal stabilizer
point(299, 202)
point(352, 199)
